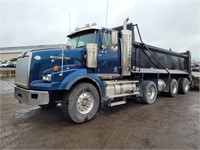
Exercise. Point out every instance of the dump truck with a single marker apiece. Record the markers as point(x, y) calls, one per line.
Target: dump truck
point(97, 67)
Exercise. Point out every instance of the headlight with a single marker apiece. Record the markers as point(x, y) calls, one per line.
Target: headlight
point(47, 77)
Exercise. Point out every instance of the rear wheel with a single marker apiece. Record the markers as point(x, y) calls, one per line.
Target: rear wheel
point(149, 92)
point(81, 103)
point(173, 88)
point(183, 86)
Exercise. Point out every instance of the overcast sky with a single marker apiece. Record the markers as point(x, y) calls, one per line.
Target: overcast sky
point(167, 24)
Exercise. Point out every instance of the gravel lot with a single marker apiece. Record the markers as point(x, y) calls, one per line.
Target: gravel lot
point(170, 123)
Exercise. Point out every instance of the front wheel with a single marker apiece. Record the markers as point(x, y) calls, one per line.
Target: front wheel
point(81, 103)
point(149, 90)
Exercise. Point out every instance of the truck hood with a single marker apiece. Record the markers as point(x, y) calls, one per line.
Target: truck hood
point(43, 60)
point(56, 54)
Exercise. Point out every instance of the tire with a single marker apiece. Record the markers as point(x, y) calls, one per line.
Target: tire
point(149, 90)
point(50, 105)
point(183, 86)
point(173, 88)
point(81, 103)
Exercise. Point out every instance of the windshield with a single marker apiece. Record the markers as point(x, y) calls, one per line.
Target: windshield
point(81, 39)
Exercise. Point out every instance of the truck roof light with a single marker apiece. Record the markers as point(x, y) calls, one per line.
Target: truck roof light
point(87, 25)
point(55, 68)
point(94, 24)
point(77, 28)
point(81, 28)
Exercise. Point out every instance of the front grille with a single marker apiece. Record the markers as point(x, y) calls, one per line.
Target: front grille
point(23, 70)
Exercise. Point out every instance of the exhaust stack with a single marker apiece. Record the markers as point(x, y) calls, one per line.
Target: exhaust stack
point(126, 48)
point(125, 23)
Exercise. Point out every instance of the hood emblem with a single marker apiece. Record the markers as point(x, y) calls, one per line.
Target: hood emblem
point(59, 57)
point(37, 57)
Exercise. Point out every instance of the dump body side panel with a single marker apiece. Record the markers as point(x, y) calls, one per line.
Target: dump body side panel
point(157, 58)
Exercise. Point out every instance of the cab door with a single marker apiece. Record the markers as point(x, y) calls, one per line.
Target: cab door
point(108, 58)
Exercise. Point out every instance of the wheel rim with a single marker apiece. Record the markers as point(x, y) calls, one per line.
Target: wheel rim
point(151, 93)
point(174, 88)
point(85, 103)
point(186, 86)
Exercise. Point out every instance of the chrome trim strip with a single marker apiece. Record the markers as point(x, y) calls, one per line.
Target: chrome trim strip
point(150, 70)
point(29, 66)
point(108, 76)
point(23, 70)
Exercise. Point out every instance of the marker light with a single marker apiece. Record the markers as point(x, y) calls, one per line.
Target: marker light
point(81, 28)
point(77, 28)
point(55, 68)
point(94, 24)
point(87, 25)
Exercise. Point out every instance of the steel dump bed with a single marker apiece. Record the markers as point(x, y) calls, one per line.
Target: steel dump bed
point(149, 59)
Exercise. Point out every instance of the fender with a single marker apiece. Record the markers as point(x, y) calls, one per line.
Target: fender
point(81, 74)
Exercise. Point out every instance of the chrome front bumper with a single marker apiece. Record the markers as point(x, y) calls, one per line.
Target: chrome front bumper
point(31, 97)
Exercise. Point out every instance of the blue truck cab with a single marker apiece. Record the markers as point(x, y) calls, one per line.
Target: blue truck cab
point(97, 66)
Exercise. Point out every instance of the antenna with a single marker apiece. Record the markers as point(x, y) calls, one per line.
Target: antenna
point(107, 14)
point(69, 22)
point(61, 74)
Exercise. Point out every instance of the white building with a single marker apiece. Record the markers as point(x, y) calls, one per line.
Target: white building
point(8, 53)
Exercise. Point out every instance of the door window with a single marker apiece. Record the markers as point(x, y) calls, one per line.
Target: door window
point(106, 41)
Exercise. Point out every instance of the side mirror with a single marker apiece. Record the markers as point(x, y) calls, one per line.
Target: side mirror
point(114, 38)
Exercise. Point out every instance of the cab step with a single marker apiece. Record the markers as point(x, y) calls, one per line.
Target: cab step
point(116, 103)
